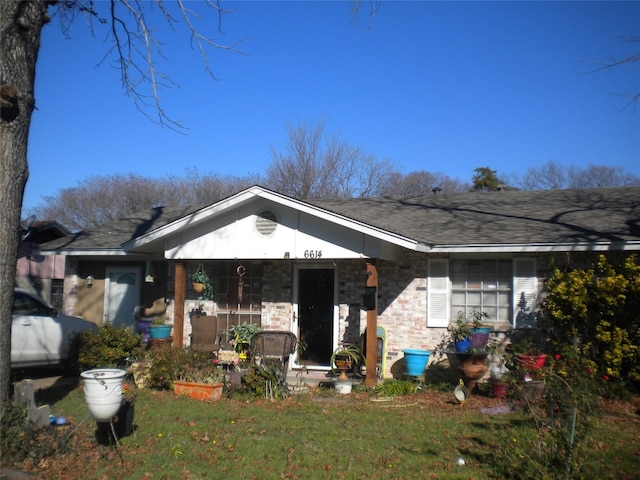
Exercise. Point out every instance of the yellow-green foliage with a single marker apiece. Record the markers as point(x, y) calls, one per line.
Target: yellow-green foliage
point(598, 311)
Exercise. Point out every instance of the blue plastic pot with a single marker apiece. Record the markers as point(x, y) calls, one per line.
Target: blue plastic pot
point(463, 345)
point(160, 331)
point(416, 362)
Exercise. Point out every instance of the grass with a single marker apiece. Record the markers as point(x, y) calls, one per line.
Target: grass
point(325, 436)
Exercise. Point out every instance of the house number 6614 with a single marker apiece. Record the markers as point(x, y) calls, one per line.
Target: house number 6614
point(313, 254)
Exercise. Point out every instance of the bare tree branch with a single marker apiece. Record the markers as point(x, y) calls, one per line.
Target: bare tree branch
point(138, 51)
point(615, 62)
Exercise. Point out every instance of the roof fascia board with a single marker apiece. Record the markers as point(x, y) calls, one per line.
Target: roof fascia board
point(92, 252)
point(539, 248)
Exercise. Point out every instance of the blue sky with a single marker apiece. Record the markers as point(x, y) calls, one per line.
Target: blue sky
point(437, 86)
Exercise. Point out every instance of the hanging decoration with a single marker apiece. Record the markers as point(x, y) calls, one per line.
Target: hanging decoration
point(241, 271)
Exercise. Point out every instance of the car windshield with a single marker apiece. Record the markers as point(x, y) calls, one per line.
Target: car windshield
point(26, 305)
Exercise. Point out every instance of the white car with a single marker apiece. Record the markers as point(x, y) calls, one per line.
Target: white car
point(39, 334)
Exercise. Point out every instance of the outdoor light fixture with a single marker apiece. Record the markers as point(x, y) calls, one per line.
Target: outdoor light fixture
point(89, 281)
point(149, 276)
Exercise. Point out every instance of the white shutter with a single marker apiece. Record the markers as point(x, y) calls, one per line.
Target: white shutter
point(438, 293)
point(525, 292)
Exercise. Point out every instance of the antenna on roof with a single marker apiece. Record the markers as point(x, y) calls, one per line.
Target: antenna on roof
point(436, 190)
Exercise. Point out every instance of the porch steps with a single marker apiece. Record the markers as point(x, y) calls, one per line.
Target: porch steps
point(304, 381)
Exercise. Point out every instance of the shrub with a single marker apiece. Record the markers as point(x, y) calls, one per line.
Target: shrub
point(109, 347)
point(597, 312)
point(394, 388)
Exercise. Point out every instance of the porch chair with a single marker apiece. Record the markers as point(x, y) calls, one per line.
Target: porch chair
point(273, 348)
point(204, 334)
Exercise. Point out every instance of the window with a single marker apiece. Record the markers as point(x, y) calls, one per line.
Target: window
point(238, 291)
point(483, 285)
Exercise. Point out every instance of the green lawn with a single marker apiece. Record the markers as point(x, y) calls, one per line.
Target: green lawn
point(329, 436)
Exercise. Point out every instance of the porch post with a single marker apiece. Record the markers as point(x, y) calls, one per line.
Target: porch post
point(372, 326)
point(178, 310)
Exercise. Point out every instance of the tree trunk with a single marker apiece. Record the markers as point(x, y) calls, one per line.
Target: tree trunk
point(21, 22)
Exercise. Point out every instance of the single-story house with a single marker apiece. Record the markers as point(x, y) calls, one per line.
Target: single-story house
point(319, 268)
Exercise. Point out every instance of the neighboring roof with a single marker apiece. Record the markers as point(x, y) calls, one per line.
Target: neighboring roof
point(510, 220)
point(43, 230)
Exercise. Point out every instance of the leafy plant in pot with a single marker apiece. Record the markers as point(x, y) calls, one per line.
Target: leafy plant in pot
point(344, 358)
point(158, 330)
point(201, 284)
point(241, 340)
point(460, 332)
point(199, 376)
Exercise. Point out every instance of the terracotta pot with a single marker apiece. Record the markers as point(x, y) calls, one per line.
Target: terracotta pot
point(473, 366)
point(198, 391)
point(197, 287)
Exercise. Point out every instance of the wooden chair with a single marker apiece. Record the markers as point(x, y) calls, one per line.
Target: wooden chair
point(204, 334)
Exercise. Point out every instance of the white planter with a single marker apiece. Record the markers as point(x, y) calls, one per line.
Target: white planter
point(103, 392)
point(343, 386)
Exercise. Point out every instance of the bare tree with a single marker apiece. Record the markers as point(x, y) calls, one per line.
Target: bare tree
point(422, 182)
point(595, 176)
point(100, 199)
point(625, 60)
point(315, 164)
point(553, 175)
point(136, 50)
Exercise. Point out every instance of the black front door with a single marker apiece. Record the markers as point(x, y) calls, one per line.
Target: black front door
point(315, 315)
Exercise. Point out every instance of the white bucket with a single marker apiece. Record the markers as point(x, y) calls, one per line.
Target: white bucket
point(103, 392)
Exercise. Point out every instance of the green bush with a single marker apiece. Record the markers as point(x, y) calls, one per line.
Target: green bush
point(597, 313)
point(109, 347)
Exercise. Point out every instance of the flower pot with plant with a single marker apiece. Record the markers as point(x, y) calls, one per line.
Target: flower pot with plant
point(158, 330)
point(241, 339)
point(199, 376)
point(344, 358)
point(528, 354)
point(201, 284)
point(460, 332)
point(479, 331)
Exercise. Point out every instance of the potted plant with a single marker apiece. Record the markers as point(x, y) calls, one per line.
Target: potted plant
point(199, 377)
point(528, 354)
point(158, 330)
point(344, 358)
point(201, 284)
point(479, 331)
point(460, 333)
point(242, 335)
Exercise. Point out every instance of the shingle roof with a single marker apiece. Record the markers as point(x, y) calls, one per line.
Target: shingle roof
point(113, 234)
point(607, 215)
point(505, 217)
